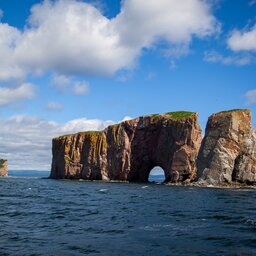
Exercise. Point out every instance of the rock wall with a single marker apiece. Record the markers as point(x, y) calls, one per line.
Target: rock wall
point(228, 150)
point(3, 167)
point(129, 150)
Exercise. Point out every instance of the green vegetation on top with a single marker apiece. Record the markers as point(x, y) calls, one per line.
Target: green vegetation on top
point(178, 115)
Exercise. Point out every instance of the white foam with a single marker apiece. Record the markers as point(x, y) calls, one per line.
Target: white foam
point(103, 190)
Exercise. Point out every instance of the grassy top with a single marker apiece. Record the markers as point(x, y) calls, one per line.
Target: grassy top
point(178, 115)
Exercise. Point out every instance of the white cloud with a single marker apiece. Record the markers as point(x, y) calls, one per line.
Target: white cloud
point(84, 124)
point(126, 118)
point(60, 82)
point(54, 106)
point(27, 145)
point(252, 2)
point(12, 95)
point(72, 37)
point(251, 96)
point(243, 40)
point(176, 21)
point(65, 84)
point(80, 88)
point(9, 68)
point(239, 60)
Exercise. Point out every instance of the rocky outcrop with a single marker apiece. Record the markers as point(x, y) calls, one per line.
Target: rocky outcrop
point(3, 167)
point(228, 150)
point(129, 150)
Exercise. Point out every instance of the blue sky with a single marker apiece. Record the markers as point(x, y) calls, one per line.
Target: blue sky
point(73, 65)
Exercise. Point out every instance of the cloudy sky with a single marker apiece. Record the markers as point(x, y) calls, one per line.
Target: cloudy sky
point(70, 65)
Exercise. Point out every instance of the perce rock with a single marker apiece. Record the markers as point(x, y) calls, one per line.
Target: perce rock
point(228, 150)
point(3, 167)
point(129, 150)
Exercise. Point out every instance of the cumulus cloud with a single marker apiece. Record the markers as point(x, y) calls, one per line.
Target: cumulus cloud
point(238, 60)
point(242, 45)
point(73, 37)
point(243, 40)
point(80, 88)
point(251, 96)
point(24, 142)
point(10, 69)
point(65, 84)
point(60, 82)
point(54, 106)
point(12, 95)
point(142, 24)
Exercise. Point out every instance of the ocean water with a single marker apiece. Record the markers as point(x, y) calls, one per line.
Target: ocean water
point(58, 217)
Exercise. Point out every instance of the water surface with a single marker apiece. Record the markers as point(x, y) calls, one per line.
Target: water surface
point(51, 217)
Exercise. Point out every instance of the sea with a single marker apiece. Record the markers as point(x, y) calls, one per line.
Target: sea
point(40, 216)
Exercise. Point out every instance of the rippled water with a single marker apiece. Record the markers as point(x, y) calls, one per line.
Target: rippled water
point(49, 217)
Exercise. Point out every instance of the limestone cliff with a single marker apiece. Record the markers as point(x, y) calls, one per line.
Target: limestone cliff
point(228, 150)
point(3, 167)
point(129, 150)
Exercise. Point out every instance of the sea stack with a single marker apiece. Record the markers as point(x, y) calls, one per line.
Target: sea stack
point(129, 150)
point(3, 167)
point(228, 150)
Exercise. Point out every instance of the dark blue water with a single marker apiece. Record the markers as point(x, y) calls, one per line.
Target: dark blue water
point(49, 217)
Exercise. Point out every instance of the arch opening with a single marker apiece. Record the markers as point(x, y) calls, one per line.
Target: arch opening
point(156, 175)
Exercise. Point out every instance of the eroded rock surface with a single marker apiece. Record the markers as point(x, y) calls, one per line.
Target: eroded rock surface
point(129, 150)
point(3, 167)
point(228, 150)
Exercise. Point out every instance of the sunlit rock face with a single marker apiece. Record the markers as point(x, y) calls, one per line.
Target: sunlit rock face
point(228, 150)
point(129, 150)
point(3, 167)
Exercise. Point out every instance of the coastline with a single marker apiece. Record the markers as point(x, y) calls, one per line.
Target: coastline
point(180, 184)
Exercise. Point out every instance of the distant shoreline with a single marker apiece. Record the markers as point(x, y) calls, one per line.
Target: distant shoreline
point(28, 173)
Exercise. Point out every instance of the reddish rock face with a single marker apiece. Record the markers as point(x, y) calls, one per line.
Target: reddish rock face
point(128, 151)
point(228, 150)
point(3, 167)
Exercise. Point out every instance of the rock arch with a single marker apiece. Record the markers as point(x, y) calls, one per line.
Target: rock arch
point(155, 173)
point(129, 150)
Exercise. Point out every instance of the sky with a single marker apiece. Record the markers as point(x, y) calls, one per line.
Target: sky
point(70, 65)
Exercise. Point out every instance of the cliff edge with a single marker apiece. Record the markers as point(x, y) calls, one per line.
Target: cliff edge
point(228, 150)
point(128, 151)
point(3, 167)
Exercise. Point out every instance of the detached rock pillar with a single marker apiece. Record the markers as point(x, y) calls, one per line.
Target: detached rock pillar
point(228, 150)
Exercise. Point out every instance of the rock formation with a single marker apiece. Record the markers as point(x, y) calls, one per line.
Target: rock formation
point(228, 150)
point(3, 167)
point(129, 150)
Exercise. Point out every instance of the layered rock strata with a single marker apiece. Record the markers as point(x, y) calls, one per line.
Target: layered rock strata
point(3, 167)
point(129, 150)
point(228, 150)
